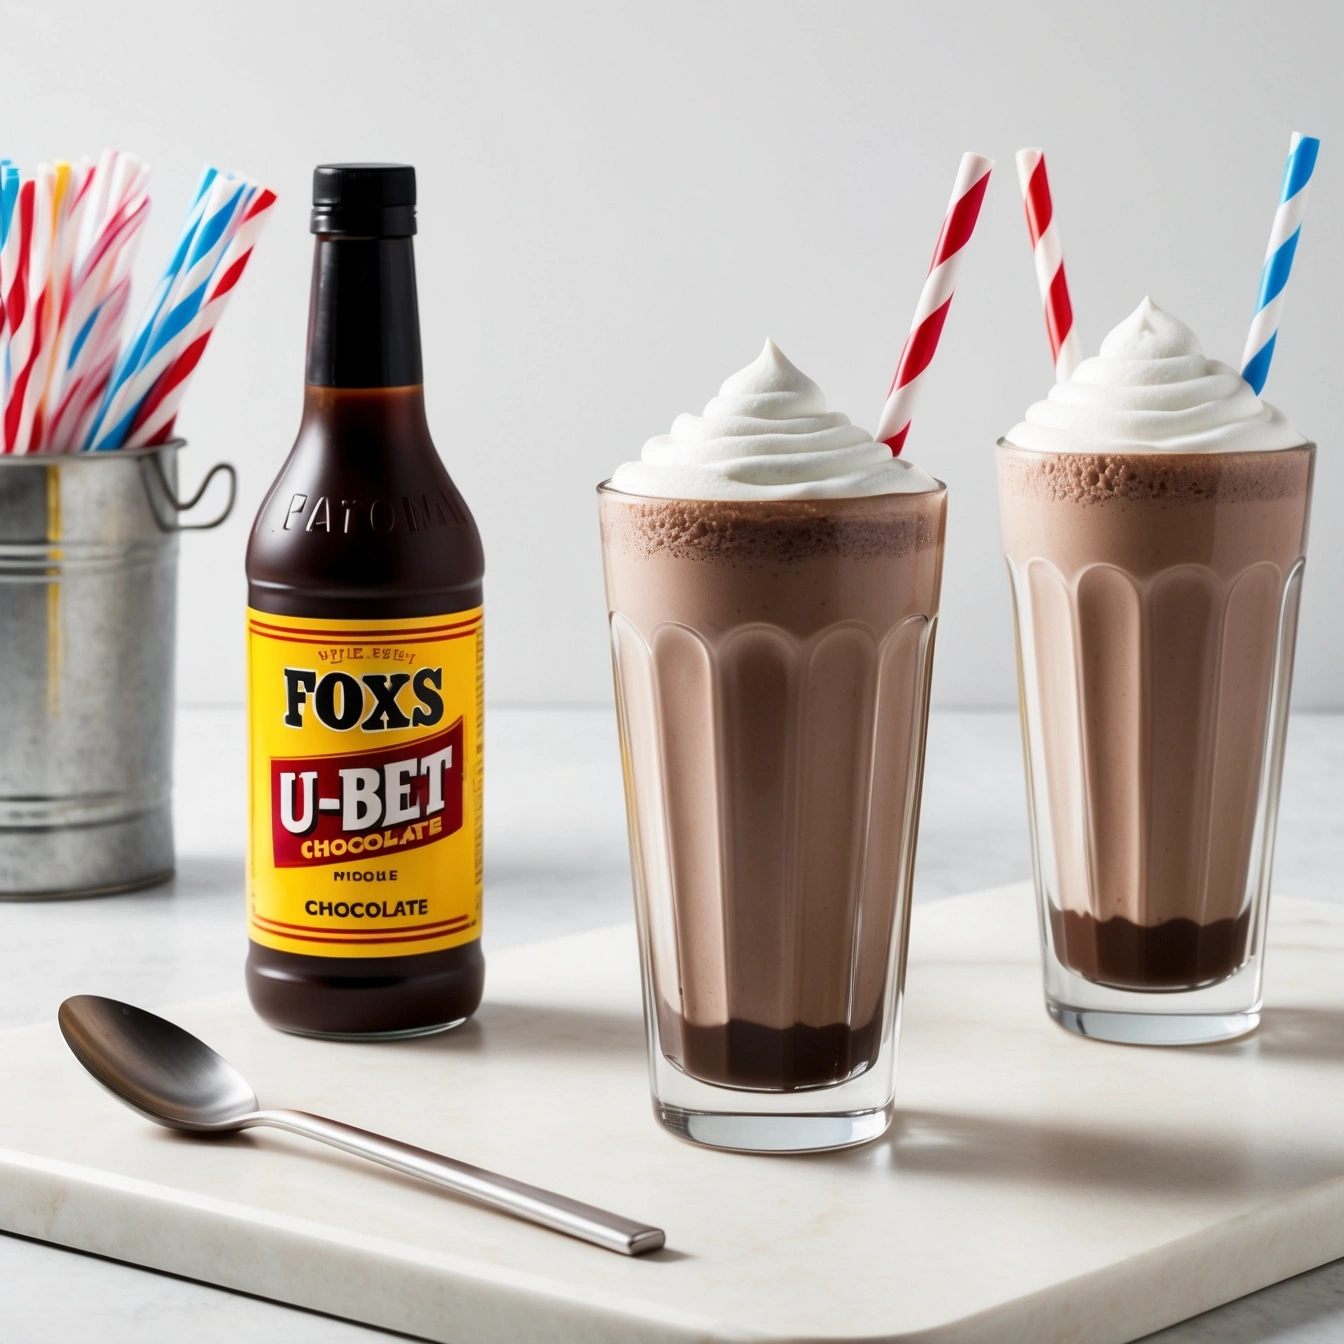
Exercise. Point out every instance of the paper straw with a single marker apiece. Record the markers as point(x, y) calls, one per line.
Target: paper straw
point(134, 352)
point(1049, 258)
point(1279, 255)
point(226, 206)
point(50, 187)
point(186, 296)
point(9, 193)
point(98, 359)
point(934, 300)
point(100, 200)
point(14, 278)
point(67, 244)
point(93, 321)
point(90, 370)
point(119, 179)
point(26, 304)
point(107, 233)
point(32, 422)
point(155, 419)
point(107, 262)
point(70, 194)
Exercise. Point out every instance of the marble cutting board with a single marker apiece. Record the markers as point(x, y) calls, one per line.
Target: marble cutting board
point(1035, 1187)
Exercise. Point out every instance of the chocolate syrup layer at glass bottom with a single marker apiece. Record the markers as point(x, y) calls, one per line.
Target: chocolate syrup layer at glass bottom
point(391, 995)
point(748, 1055)
point(1177, 954)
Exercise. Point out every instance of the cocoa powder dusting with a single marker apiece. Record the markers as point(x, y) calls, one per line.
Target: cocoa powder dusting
point(783, 531)
point(1096, 478)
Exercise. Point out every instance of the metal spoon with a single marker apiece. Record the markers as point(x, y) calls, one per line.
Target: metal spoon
point(174, 1079)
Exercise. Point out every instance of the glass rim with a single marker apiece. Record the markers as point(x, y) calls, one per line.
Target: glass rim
point(44, 459)
point(1003, 441)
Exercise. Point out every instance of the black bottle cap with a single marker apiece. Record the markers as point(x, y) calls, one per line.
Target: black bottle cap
point(364, 200)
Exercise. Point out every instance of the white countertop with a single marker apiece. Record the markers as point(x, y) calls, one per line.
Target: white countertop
point(556, 862)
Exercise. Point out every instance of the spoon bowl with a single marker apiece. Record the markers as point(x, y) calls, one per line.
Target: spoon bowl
point(155, 1067)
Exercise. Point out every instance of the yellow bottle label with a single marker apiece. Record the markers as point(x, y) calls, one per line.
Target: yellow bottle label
point(365, 786)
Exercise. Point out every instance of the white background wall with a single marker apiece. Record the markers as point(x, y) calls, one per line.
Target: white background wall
point(619, 202)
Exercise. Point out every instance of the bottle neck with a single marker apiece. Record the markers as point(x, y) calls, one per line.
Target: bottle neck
point(366, 418)
point(363, 320)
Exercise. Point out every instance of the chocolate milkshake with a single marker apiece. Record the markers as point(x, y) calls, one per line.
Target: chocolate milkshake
point(1154, 515)
point(772, 577)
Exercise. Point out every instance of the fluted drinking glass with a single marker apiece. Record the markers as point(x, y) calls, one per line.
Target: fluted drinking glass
point(772, 664)
point(1156, 599)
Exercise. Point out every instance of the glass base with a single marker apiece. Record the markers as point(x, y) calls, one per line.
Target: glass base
point(742, 1132)
point(1153, 1028)
point(1200, 1015)
point(407, 1034)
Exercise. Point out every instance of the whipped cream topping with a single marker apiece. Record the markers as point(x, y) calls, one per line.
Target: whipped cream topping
point(1152, 390)
point(768, 435)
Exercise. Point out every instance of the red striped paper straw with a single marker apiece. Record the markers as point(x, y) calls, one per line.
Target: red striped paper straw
point(99, 287)
point(70, 194)
point(1049, 258)
point(84, 387)
point(100, 254)
point(934, 300)
point(14, 278)
point(28, 306)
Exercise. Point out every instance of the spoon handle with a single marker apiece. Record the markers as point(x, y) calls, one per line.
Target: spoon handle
point(608, 1230)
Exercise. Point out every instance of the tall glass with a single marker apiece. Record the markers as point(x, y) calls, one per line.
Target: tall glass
point(772, 665)
point(1156, 598)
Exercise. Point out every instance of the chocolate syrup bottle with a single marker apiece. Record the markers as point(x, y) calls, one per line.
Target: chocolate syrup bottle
point(364, 663)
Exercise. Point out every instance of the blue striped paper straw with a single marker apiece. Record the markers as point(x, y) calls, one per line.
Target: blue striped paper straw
point(1279, 259)
point(83, 335)
point(223, 203)
point(9, 194)
point(133, 354)
point(206, 248)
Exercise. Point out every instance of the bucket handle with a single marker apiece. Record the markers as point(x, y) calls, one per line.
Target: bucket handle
point(180, 506)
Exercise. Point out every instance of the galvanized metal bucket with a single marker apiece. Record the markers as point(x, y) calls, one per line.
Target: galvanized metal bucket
point(88, 615)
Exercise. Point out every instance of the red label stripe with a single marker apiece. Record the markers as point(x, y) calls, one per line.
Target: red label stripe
point(443, 926)
point(364, 636)
point(391, 938)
